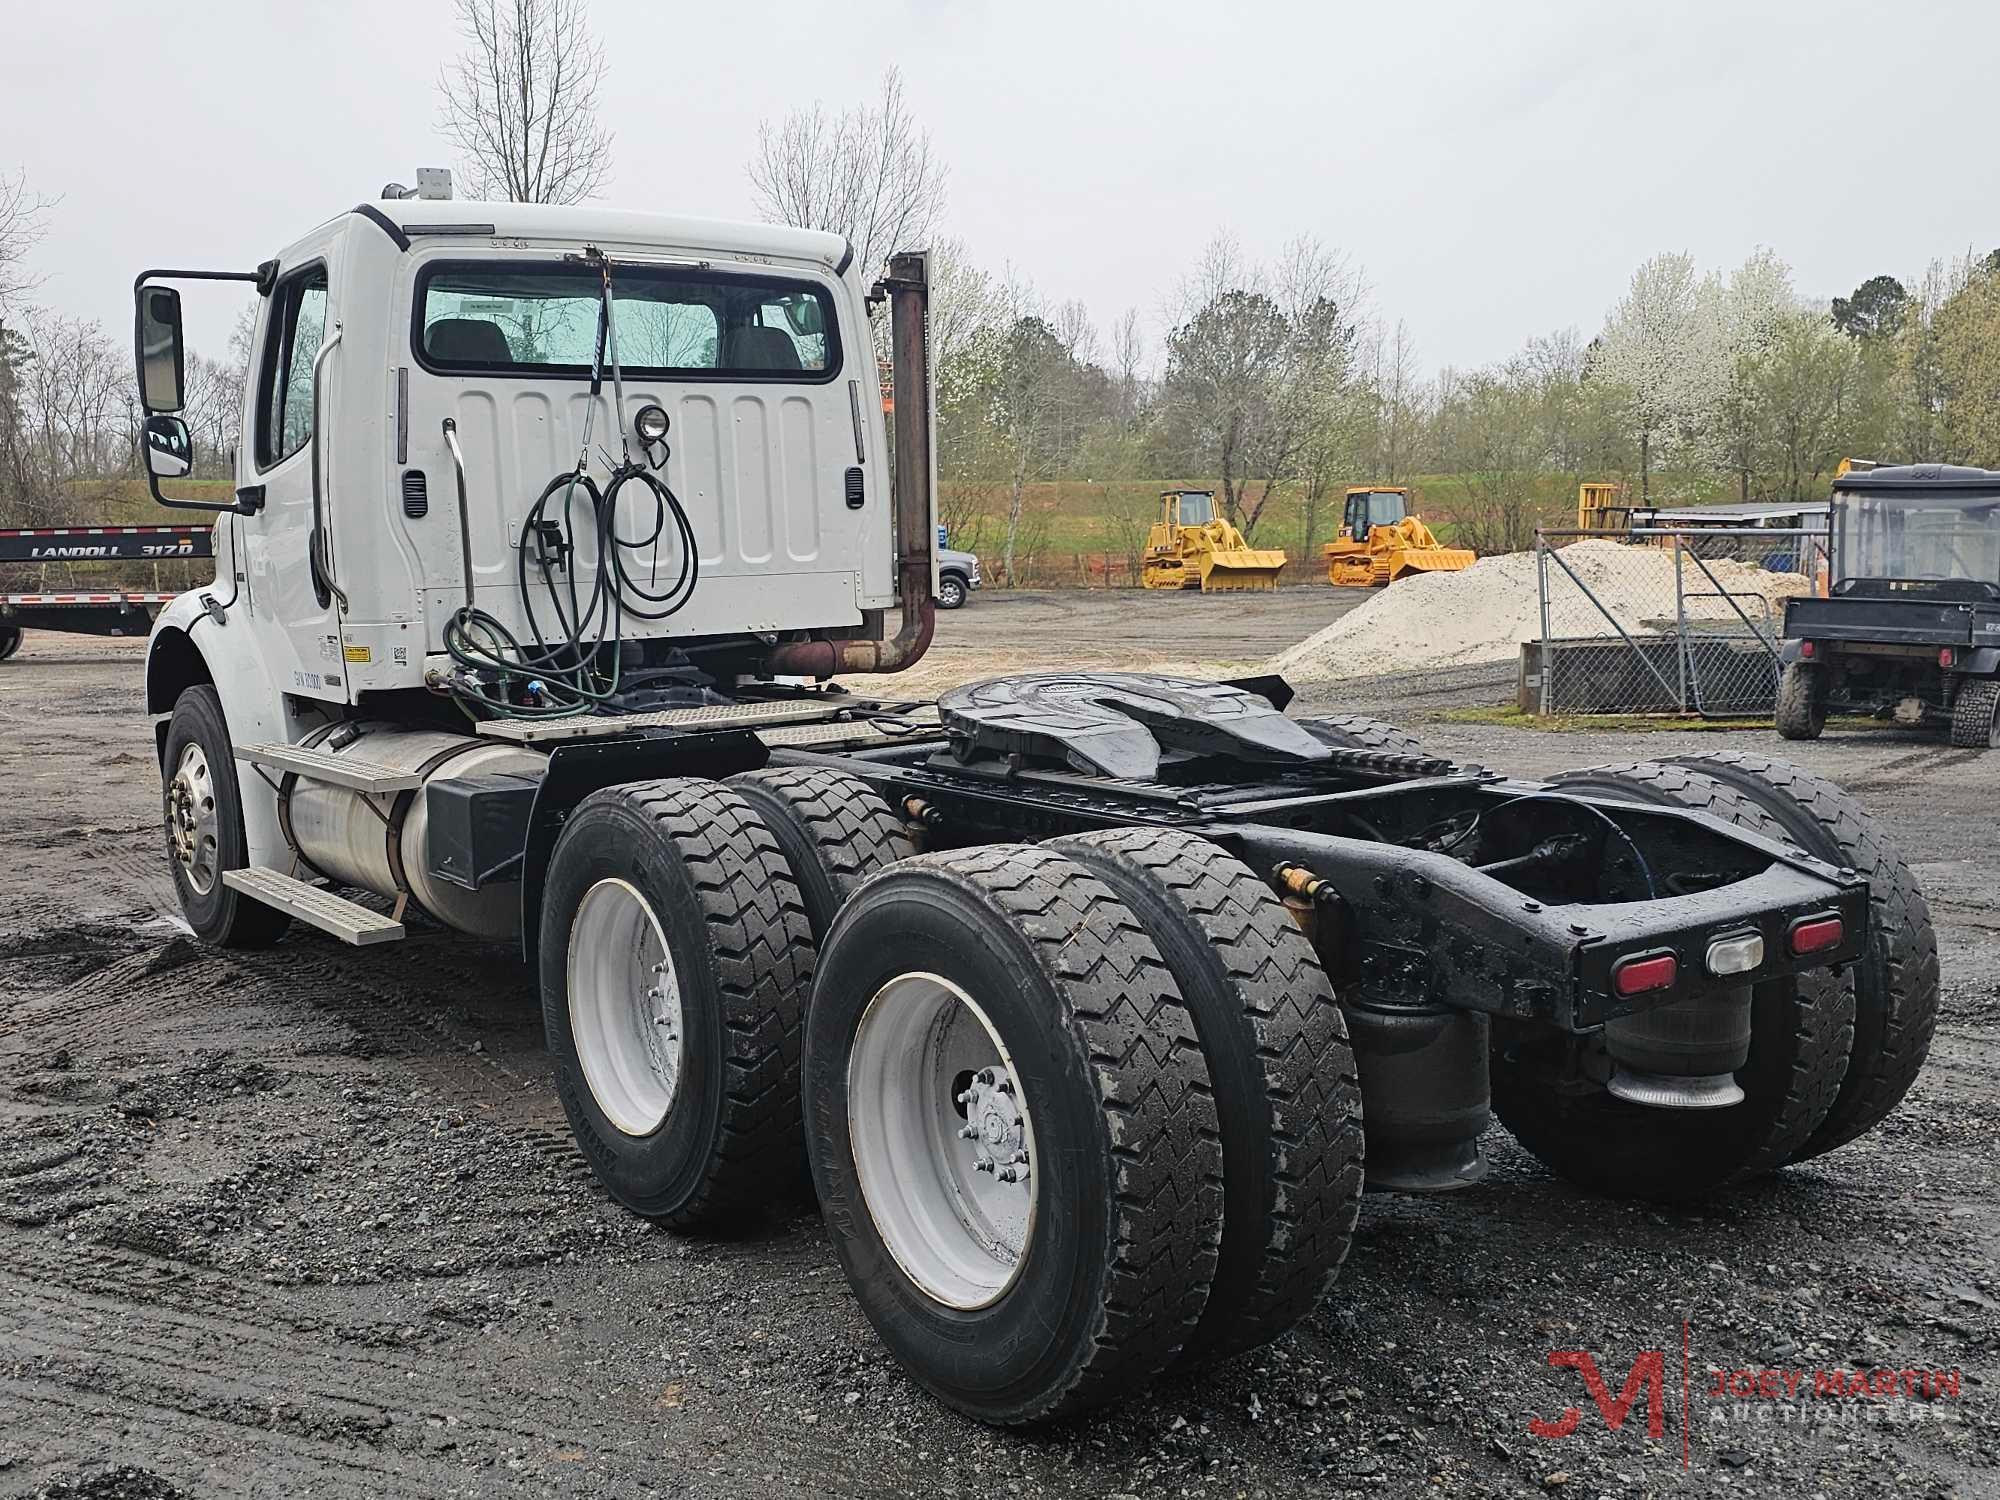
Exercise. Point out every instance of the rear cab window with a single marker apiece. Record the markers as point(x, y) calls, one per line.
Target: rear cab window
point(541, 319)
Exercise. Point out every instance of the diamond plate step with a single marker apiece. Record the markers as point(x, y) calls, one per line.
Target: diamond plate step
point(347, 920)
point(714, 716)
point(336, 770)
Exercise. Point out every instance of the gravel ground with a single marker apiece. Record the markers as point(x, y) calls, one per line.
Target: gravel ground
point(309, 1221)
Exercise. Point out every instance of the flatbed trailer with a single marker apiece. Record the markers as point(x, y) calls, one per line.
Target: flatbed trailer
point(114, 611)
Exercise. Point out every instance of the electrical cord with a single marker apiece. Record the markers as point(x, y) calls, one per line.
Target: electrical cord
point(577, 666)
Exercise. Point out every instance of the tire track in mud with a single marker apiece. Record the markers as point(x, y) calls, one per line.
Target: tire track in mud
point(382, 995)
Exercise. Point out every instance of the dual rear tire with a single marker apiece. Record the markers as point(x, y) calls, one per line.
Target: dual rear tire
point(1075, 1113)
point(1147, 1057)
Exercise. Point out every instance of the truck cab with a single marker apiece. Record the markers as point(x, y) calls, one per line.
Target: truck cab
point(507, 458)
point(1910, 628)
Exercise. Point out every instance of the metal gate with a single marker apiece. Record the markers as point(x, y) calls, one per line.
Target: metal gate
point(1660, 620)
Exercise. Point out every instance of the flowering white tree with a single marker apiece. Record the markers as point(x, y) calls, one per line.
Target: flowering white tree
point(1667, 343)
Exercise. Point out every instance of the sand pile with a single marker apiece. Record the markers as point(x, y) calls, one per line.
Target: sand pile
point(1484, 613)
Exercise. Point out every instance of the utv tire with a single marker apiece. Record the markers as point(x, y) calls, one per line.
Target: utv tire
point(1359, 732)
point(1801, 712)
point(682, 1086)
point(1800, 1034)
point(202, 808)
point(1975, 715)
point(1009, 982)
point(1895, 984)
point(1286, 1091)
point(833, 829)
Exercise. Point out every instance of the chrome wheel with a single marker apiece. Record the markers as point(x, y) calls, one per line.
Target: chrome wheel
point(624, 1007)
point(943, 1144)
point(191, 820)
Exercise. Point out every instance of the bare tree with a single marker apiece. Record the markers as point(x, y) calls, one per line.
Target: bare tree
point(521, 102)
point(21, 228)
point(867, 173)
point(1038, 398)
point(1242, 363)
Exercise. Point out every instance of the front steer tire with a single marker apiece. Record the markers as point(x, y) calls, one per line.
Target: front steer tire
point(1895, 983)
point(1287, 1095)
point(710, 875)
point(1800, 1033)
point(199, 754)
point(1123, 1198)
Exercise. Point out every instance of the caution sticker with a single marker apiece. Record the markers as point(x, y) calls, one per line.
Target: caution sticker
point(361, 654)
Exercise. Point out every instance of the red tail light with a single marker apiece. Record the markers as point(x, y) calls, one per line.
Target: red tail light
point(1641, 976)
point(1947, 656)
point(1807, 650)
point(1815, 935)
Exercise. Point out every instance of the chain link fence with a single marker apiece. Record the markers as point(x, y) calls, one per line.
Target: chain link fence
point(1659, 620)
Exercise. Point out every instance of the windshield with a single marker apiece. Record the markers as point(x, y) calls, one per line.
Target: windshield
point(1197, 509)
point(1385, 508)
point(1918, 536)
point(541, 319)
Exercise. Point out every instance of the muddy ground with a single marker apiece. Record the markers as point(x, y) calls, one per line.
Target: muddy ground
point(308, 1222)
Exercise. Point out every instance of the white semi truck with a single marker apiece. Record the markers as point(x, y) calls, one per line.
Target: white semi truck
point(1090, 999)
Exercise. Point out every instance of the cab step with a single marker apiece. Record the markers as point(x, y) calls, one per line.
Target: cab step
point(347, 920)
point(335, 770)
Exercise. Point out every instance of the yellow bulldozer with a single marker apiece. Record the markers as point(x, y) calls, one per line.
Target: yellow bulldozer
point(1381, 541)
point(1190, 546)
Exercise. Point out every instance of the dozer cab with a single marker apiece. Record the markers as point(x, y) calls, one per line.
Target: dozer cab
point(1380, 541)
point(1192, 547)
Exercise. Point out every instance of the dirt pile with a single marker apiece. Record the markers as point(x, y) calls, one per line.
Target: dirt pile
point(1484, 613)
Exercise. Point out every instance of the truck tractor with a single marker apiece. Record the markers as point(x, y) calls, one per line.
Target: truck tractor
point(564, 543)
point(1910, 628)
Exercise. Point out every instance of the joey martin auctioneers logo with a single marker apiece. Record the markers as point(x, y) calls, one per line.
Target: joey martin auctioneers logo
point(1834, 1398)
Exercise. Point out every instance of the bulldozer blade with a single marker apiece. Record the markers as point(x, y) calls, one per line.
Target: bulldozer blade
point(1248, 571)
point(1430, 560)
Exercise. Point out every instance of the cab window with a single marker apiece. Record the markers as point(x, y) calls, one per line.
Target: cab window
point(538, 319)
point(296, 330)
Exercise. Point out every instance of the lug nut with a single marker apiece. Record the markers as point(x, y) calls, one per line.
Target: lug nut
point(982, 1165)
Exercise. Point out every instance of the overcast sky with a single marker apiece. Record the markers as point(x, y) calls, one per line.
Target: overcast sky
point(1496, 169)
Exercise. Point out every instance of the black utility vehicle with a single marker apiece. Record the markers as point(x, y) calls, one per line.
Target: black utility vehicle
point(1910, 630)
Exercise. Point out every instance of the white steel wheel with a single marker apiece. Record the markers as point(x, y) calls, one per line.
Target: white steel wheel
point(944, 1147)
point(624, 1007)
point(192, 821)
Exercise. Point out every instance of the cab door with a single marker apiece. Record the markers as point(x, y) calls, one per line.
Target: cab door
point(293, 592)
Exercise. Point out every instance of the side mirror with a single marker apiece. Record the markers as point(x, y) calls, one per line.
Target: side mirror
point(162, 359)
point(169, 448)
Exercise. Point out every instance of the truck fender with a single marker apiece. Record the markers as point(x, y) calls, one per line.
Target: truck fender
point(189, 647)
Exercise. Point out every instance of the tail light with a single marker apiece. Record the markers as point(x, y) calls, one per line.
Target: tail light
point(1815, 935)
point(1947, 656)
point(1643, 975)
point(1807, 650)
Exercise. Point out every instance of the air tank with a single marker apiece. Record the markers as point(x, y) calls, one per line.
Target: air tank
point(378, 841)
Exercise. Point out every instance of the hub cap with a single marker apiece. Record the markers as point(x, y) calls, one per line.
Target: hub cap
point(943, 1143)
point(624, 1007)
point(191, 820)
